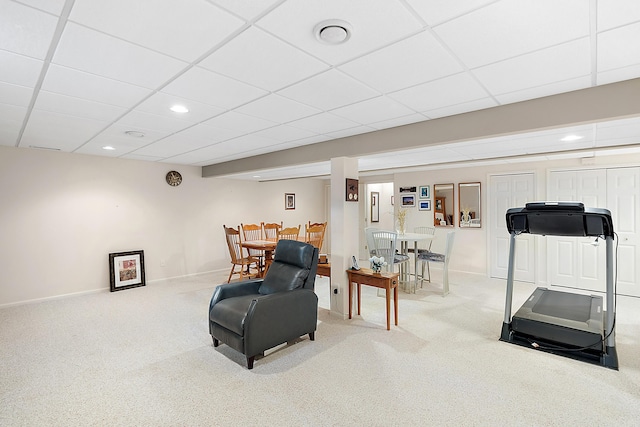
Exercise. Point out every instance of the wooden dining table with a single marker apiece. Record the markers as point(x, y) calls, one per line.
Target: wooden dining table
point(267, 246)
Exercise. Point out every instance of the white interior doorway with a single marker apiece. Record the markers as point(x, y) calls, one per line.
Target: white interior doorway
point(377, 212)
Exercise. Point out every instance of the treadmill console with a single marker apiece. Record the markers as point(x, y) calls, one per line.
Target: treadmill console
point(560, 219)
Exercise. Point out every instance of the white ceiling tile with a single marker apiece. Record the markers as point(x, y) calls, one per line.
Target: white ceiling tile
point(463, 107)
point(507, 28)
point(285, 133)
point(213, 89)
point(614, 13)
point(12, 114)
point(445, 92)
point(18, 69)
point(187, 140)
point(163, 124)
point(46, 129)
point(278, 109)
point(555, 64)
point(103, 55)
point(11, 118)
point(248, 9)
point(121, 146)
point(546, 90)
point(240, 122)
point(357, 130)
point(618, 74)
point(399, 121)
point(324, 123)
point(160, 103)
point(403, 64)
point(71, 106)
point(25, 30)
point(329, 90)
point(374, 24)
point(619, 48)
point(52, 6)
point(15, 95)
point(79, 84)
point(437, 11)
point(373, 110)
point(115, 135)
point(260, 59)
point(151, 23)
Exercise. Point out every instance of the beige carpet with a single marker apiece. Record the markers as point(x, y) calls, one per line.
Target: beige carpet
point(144, 357)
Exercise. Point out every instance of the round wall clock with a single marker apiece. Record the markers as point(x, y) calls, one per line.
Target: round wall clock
point(174, 178)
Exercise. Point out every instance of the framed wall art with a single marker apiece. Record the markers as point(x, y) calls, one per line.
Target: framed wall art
point(408, 200)
point(289, 201)
point(424, 205)
point(424, 192)
point(126, 270)
point(375, 206)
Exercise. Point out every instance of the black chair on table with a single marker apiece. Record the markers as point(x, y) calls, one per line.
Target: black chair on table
point(255, 315)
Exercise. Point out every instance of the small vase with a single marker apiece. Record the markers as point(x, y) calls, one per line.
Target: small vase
point(376, 270)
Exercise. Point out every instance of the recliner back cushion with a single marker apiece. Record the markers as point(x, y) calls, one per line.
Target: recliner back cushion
point(290, 267)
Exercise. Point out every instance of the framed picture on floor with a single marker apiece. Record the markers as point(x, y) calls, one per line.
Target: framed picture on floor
point(126, 270)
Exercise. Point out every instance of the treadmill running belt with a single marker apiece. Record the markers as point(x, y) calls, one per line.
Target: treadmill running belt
point(564, 305)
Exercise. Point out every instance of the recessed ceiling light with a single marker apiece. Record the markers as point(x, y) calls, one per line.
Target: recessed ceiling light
point(256, 176)
point(108, 147)
point(333, 31)
point(570, 138)
point(179, 109)
point(135, 133)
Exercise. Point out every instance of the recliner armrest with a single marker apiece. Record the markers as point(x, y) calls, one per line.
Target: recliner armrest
point(275, 318)
point(230, 290)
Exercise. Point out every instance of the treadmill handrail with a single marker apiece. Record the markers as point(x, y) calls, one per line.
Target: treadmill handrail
point(560, 219)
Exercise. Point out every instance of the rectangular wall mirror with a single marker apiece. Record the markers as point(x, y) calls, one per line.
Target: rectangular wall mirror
point(469, 204)
point(443, 205)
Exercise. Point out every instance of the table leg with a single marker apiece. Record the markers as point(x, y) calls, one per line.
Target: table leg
point(358, 285)
point(388, 298)
point(395, 304)
point(350, 297)
point(268, 259)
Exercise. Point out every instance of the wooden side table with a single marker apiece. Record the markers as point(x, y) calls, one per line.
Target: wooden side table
point(386, 281)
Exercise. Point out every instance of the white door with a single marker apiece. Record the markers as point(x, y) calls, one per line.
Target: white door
point(623, 190)
point(575, 261)
point(510, 191)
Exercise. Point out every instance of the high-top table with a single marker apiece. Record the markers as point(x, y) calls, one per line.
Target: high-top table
point(404, 240)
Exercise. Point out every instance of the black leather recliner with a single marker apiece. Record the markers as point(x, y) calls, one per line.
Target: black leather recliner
point(255, 315)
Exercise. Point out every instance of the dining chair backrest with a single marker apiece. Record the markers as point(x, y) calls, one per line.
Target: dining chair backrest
point(252, 232)
point(289, 233)
point(234, 243)
point(271, 230)
point(426, 230)
point(371, 245)
point(385, 245)
point(314, 234)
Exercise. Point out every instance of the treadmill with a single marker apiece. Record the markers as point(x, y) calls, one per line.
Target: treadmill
point(571, 325)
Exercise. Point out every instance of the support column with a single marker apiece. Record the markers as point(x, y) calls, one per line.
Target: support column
point(344, 232)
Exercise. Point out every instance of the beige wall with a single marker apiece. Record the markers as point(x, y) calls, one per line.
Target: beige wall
point(62, 214)
point(471, 244)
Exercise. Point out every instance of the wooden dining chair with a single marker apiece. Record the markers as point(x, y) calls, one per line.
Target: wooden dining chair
point(253, 232)
point(289, 233)
point(239, 255)
point(270, 230)
point(314, 234)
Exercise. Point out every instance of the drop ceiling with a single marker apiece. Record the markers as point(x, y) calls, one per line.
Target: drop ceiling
point(78, 76)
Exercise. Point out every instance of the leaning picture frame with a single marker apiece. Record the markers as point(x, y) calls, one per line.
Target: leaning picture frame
point(424, 192)
point(126, 270)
